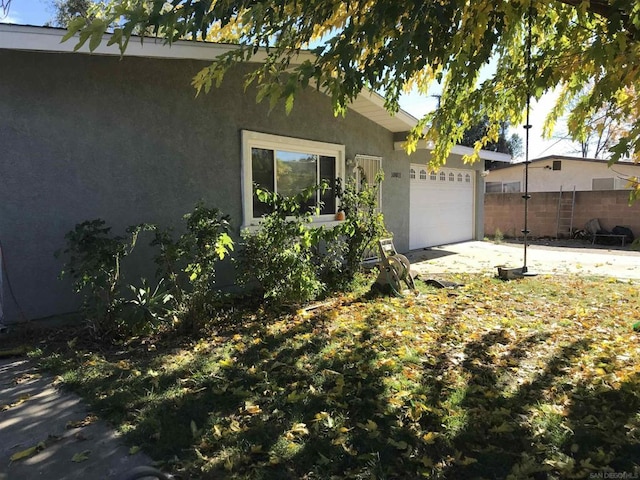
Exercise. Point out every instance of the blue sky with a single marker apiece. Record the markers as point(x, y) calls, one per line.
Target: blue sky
point(28, 12)
point(38, 12)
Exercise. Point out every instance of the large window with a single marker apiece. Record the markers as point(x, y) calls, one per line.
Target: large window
point(288, 166)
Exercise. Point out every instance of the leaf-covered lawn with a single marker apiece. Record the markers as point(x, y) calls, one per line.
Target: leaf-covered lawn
point(536, 378)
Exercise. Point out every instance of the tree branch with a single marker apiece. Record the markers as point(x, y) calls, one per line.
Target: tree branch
point(604, 9)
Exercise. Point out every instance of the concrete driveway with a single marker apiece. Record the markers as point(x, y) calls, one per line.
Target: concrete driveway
point(484, 257)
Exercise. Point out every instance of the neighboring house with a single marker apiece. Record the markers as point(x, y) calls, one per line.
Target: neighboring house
point(550, 174)
point(601, 192)
point(125, 139)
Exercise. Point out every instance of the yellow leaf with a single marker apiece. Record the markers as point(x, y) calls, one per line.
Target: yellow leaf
point(81, 457)
point(299, 429)
point(133, 450)
point(252, 409)
point(430, 437)
point(124, 365)
point(226, 363)
point(27, 452)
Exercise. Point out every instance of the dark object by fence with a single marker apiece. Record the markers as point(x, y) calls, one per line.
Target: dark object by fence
point(619, 230)
point(602, 236)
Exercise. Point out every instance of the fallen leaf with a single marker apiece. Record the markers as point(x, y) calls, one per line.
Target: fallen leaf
point(20, 400)
point(81, 457)
point(88, 420)
point(27, 452)
point(430, 437)
point(503, 428)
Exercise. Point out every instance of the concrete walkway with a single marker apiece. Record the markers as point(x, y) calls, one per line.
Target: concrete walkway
point(72, 444)
point(484, 257)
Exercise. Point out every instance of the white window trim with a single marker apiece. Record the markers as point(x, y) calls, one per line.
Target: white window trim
point(252, 139)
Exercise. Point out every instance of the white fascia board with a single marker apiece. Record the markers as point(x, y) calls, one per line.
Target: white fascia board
point(460, 150)
point(46, 39)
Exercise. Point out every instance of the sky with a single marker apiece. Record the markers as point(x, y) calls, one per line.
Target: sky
point(28, 12)
point(38, 12)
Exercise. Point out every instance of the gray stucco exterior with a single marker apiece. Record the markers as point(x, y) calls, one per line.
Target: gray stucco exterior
point(127, 140)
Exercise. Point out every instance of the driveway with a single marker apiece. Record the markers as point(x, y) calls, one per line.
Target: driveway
point(484, 257)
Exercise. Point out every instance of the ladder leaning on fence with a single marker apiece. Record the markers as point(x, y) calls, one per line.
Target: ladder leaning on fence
point(564, 219)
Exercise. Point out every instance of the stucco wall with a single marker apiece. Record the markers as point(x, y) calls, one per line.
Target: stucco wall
point(505, 211)
point(126, 140)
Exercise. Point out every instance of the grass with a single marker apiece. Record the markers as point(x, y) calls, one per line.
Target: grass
point(538, 378)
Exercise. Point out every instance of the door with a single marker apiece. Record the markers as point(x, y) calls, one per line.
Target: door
point(442, 206)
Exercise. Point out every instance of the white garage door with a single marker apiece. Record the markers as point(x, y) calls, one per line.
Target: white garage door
point(442, 206)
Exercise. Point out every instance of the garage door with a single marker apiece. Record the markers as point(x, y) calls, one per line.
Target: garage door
point(442, 206)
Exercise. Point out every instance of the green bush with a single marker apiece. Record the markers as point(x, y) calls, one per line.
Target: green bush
point(188, 265)
point(148, 308)
point(281, 255)
point(186, 273)
point(363, 224)
point(94, 259)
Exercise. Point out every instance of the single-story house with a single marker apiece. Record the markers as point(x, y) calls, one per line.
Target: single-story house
point(551, 173)
point(126, 139)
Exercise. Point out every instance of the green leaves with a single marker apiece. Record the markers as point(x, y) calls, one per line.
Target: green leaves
point(282, 254)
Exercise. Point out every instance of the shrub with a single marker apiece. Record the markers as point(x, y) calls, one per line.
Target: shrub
point(186, 272)
point(363, 224)
point(94, 263)
point(281, 254)
point(188, 265)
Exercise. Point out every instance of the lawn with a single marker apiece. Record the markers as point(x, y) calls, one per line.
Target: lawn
point(536, 378)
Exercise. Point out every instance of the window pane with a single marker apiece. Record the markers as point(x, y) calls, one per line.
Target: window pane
point(493, 187)
point(262, 170)
point(511, 187)
point(328, 174)
point(295, 172)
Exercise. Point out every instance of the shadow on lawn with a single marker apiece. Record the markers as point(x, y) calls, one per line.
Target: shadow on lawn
point(309, 401)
